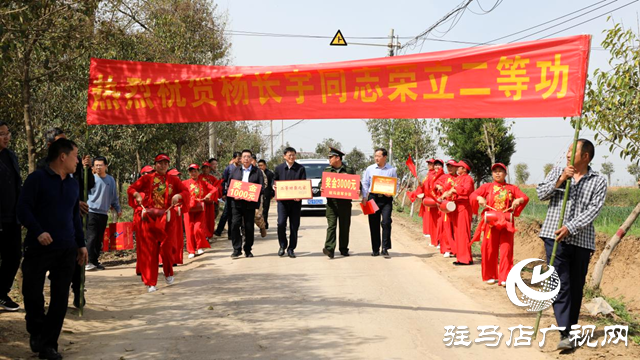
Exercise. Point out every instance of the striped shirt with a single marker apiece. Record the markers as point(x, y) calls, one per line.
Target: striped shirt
point(586, 198)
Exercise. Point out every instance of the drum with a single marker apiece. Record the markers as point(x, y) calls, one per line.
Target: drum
point(447, 206)
point(429, 202)
point(197, 208)
point(492, 217)
point(153, 213)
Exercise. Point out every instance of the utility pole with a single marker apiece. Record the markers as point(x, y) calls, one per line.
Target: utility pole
point(391, 45)
point(213, 143)
point(271, 138)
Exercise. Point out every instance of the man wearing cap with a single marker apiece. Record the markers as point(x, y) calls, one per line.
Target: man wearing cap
point(462, 189)
point(384, 202)
point(338, 210)
point(225, 218)
point(211, 206)
point(195, 219)
point(497, 197)
point(289, 209)
point(446, 238)
point(137, 215)
point(163, 192)
point(244, 212)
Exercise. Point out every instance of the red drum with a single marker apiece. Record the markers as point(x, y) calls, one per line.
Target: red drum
point(197, 208)
point(153, 213)
point(447, 206)
point(429, 202)
point(492, 217)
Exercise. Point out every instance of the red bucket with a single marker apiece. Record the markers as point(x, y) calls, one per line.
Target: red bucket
point(153, 213)
point(447, 206)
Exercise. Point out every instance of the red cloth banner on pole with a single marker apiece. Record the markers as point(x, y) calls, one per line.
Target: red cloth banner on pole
point(541, 78)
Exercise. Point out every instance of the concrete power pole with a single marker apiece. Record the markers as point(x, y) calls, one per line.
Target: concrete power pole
point(213, 143)
point(391, 45)
point(271, 139)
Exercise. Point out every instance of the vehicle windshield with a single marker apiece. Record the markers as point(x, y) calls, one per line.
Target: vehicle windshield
point(314, 171)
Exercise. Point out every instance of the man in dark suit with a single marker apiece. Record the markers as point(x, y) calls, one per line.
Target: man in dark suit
point(244, 212)
point(289, 170)
point(268, 192)
point(10, 229)
point(225, 218)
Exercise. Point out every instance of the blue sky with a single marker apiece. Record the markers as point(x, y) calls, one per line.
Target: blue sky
point(539, 141)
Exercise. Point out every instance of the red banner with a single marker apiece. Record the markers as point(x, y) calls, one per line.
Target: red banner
point(241, 190)
point(542, 78)
point(340, 186)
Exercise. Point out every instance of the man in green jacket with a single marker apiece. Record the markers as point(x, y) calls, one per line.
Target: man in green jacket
point(338, 210)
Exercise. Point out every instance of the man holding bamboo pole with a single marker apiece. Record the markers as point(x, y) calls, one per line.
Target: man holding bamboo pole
point(576, 236)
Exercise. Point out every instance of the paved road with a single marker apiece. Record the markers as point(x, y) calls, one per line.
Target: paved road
point(268, 307)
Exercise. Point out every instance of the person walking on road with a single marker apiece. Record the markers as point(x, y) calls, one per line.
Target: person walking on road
point(289, 209)
point(10, 229)
point(102, 198)
point(244, 212)
point(384, 202)
point(338, 210)
point(225, 218)
point(49, 208)
point(268, 192)
point(576, 237)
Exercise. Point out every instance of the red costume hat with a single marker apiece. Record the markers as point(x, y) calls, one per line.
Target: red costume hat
point(500, 165)
point(162, 157)
point(194, 166)
point(464, 165)
point(431, 160)
point(173, 172)
point(438, 161)
point(206, 163)
point(452, 163)
point(146, 169)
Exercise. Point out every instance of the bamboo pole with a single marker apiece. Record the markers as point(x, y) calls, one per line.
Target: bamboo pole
point(84, 220)
point(562, 211)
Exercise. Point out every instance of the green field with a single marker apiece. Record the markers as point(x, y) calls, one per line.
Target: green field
point(618, 205)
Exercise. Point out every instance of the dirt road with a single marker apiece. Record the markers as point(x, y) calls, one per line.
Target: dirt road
point(360, 307)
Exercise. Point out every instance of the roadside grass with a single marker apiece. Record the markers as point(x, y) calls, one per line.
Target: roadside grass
point(623, 316)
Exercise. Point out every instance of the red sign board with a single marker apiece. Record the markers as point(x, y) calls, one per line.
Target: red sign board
point(241, 190)
point(118, 236)
point(340, 186)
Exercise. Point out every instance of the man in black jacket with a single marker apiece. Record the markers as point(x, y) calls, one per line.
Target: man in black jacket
point(291, 209)
point(268, 192)
point(51, 136)
point(244, 212)
point(10, 230)
point(48, 207)
point(225, 218)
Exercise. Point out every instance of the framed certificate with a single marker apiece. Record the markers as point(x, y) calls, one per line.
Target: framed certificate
point(384, 185)
point(293, 189)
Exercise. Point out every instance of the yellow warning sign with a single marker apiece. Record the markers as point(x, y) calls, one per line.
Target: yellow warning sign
point(338, 40)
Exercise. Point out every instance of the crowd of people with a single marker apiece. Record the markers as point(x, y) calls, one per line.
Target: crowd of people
point(54, 199)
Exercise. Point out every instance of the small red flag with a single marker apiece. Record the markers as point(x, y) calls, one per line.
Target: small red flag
point(411, 166)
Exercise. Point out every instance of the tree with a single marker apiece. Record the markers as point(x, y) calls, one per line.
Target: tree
point(607, 169)
point(407, 136)
point(357, 160)
point(634, 170)
point(522, 173)
point(612, 109)
point(322, 149)
point(40, 40)
point(482, 141)
point(547, 169)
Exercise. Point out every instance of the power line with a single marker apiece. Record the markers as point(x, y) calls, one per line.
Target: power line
point(544, 23)
point(586, 21)
point(575, 17)
point(460, 8)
